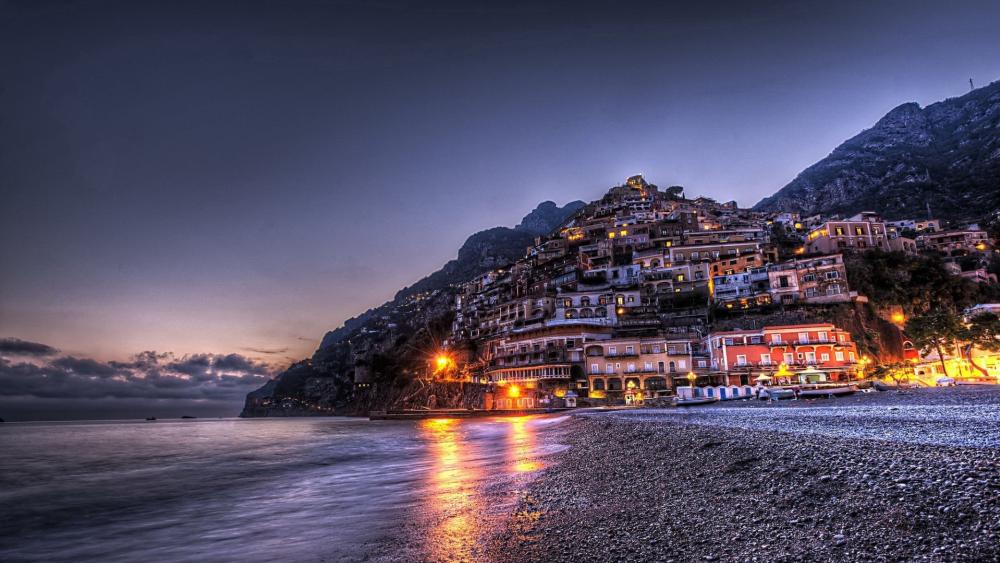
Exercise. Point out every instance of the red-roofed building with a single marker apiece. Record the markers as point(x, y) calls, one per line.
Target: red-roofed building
point(789, 354)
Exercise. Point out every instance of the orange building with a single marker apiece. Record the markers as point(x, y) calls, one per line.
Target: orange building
point(806, 353)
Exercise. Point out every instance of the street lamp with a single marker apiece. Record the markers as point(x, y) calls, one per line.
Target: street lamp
point(691, 377)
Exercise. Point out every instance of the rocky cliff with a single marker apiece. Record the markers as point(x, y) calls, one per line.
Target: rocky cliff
point(386, 340)
point(946, 155)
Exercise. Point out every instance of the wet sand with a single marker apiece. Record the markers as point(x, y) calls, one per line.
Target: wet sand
point(879, 477)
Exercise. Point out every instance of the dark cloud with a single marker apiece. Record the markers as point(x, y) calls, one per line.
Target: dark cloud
point(18, 347)
point(148, 375)
point(268, 351)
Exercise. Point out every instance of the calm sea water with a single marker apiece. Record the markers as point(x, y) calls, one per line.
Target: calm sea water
point(266, 489)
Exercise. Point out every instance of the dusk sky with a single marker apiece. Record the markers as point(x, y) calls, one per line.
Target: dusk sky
point(223, 182)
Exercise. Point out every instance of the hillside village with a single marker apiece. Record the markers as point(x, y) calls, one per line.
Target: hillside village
point(643, 294)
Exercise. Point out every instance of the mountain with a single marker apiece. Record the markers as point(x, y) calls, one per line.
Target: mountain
point(946, 155)
point(383, 340)
point(481, 252)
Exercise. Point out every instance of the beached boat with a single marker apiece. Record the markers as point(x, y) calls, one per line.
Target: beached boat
point(828, 392)
point(690, 402)
point(777, 394)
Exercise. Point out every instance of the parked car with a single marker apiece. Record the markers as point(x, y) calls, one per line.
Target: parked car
point(946, 382)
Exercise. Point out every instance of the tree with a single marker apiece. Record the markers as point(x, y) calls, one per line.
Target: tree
point(938, 329)
point(983, 332)
point(898, 372)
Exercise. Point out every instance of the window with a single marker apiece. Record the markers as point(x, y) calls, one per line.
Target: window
point(631, 368)
point(570, 343)
point(631, 298)
point(765, 359)
point(824, 357)
point(839, 355)
point(804, 337)
point(682, 364)
point(620, 299)
point(672, 350)
point(649, 366)
point(729, 341)
point(789, 358)
point(840, 337)
point(702, 364)
point(858, 231)
point(656, 348)
point(851, 355)
point(832, 275)
point(833, 290)
point(741, 360)
point(694, 255)
point(680, 277)
point(630, 350)
point(612, 350)
point(754, 340)
point(776, 339)
point(809, 278)
point(595, 368)
point(822, 336)
point(839, 231)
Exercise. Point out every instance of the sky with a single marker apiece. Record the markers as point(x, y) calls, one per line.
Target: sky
point(210, 180)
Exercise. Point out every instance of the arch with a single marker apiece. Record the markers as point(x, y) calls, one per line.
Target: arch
point(595, 350)
point(598, 384)
point(614, 384)
point(634, 381)
point(672, 367)
point(570, 314)
point(585, 301)
point(586, 313)
point(601, 311)
point(655, 263)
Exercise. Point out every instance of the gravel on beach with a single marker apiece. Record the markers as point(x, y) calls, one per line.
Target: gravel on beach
point(725, 484)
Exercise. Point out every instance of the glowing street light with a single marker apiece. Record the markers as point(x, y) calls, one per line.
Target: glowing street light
point(513, 391)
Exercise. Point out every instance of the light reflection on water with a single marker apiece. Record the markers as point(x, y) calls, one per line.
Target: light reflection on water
point(290, 489)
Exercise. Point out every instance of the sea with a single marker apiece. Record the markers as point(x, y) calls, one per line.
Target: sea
point(294, 489)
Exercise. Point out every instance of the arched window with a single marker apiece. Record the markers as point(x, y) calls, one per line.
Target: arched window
point(585, 301)
point(598, 385)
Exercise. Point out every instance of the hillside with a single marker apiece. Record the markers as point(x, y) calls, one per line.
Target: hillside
point(407, 324)
point(946, 156)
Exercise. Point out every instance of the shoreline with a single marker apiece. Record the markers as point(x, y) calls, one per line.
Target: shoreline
point(661, 488)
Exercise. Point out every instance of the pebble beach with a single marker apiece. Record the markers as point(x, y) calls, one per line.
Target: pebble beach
point(889, 476)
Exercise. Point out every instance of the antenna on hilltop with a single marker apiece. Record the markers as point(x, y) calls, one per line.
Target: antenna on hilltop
point(971, 86)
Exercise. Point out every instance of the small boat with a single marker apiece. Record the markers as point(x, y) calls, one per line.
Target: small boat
point(829, 392)
point(150, 418)
point(777, 394)
point(188, 416)
point(690, 402)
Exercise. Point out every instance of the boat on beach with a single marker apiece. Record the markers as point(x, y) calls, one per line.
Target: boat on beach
point(694, 401)
point(828, 392)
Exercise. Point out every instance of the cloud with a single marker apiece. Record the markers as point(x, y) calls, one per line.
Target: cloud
point(18, 347)
point(147, 375)
point(267, 351)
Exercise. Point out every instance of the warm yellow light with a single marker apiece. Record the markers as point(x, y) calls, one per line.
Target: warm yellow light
point(800, 250)
point(898, 318)
point(691, 377)
point(798, 225)
point(442, 361)
point(980, 246)
point(513, 391)
point(611, 235)
point(621, 310)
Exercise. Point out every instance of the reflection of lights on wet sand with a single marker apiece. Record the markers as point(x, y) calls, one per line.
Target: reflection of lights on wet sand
point(522, 440)
point(457, 504)
point(454, 500)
